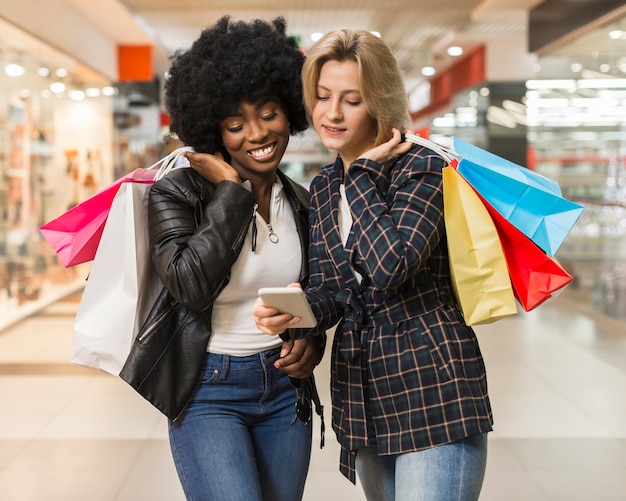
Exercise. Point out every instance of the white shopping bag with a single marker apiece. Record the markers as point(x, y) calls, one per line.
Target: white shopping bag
point(121, 288)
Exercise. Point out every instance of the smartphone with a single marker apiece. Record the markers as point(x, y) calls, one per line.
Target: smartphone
point(289, 300)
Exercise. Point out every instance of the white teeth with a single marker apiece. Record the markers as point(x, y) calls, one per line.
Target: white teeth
point(262, 152)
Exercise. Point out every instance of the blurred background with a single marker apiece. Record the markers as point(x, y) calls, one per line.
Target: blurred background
point(541, 83)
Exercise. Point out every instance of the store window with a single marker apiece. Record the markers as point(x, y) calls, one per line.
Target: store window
point(56, 136)
point(577, 131)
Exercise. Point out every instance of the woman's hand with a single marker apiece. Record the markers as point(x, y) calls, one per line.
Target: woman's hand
point(299, 357)
point(212, 167)
point(389, 151)
point(270, 321)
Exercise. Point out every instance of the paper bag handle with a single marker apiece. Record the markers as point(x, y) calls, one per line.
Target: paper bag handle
point(167, 164)
point(448, 156)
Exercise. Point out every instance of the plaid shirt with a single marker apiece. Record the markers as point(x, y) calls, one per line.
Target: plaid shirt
point(407, 373)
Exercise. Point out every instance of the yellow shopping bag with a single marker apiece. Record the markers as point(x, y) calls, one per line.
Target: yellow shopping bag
point(478, 267)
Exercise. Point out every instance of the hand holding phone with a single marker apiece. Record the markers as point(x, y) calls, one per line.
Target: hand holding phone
point(290, 300)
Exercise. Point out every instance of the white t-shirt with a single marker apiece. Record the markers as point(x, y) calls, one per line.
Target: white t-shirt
point(345, 223)
point(271, 265)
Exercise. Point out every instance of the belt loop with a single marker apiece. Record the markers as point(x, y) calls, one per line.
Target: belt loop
point(225, 366)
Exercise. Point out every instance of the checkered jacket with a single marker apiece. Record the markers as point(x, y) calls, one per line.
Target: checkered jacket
point(402, 355)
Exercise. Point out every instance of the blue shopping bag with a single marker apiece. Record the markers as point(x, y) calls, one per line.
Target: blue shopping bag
point(531, 202)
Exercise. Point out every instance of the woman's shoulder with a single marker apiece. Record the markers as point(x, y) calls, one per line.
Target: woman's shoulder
point(183, 182)
point(420, 160)
point(424, 155)
point(326, 174)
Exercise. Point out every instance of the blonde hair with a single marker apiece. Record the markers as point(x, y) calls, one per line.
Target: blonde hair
point(380, 79)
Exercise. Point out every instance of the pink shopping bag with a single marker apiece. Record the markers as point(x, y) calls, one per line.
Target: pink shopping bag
point(75, 234)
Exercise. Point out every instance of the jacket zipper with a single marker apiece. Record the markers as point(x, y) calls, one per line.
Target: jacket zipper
point(254, 228)
point(157, 322)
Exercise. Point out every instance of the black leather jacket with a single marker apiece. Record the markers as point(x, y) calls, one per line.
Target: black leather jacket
point(197, 230)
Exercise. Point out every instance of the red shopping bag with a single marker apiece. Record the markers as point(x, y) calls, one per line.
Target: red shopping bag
point(534, 274)
point(75, 234)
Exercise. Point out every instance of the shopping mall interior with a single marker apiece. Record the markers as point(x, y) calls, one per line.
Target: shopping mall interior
point(540, 83)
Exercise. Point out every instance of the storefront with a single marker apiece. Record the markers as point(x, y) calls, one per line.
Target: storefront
point(65, 132)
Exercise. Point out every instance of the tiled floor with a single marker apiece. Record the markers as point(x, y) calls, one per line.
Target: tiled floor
point(557, 379)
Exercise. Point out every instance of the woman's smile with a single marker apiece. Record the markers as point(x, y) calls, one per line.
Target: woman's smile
point(263, 153)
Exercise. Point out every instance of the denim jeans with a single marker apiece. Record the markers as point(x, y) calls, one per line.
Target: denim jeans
point(237, 439)
point(451, 472)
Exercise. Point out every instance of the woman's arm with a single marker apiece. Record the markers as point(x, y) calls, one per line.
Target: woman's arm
point(397, 222)
point(195, 234)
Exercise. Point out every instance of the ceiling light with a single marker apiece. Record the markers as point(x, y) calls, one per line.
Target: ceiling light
point(77, 95)
point(92, 92)
point(43, 71)
point(375, 33)
point(109, 91)
point(447, 120)
point(428, 71)
point(616, 34)
point(551, 84)
point(609, 83)
point(57, 87)
point(455, 51)
point(61, 72)
point(14, 70)
point(604, 68)
point(316, 36)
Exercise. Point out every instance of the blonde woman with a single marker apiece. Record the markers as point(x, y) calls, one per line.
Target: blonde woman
point(410, 404)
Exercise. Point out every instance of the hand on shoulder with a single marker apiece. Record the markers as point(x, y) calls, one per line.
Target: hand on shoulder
point(212, 167)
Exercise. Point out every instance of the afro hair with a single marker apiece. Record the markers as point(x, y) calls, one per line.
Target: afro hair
point(230, 62)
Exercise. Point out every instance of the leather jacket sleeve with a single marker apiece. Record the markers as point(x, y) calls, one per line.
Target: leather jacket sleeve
point(196, 232)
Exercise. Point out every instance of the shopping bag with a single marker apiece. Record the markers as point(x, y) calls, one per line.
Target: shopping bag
point(477, 264)
point(75, 234)
point(121, 288)
point(535, 276)
point(531, 202)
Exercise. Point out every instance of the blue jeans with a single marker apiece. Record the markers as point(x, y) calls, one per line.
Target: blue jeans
point(237, 440)
point(451, 472)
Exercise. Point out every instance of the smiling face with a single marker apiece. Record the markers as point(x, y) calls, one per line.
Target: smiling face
point(340, 117)
point(256, 137)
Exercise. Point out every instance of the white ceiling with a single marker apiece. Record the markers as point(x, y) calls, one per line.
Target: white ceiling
point(418, 31)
